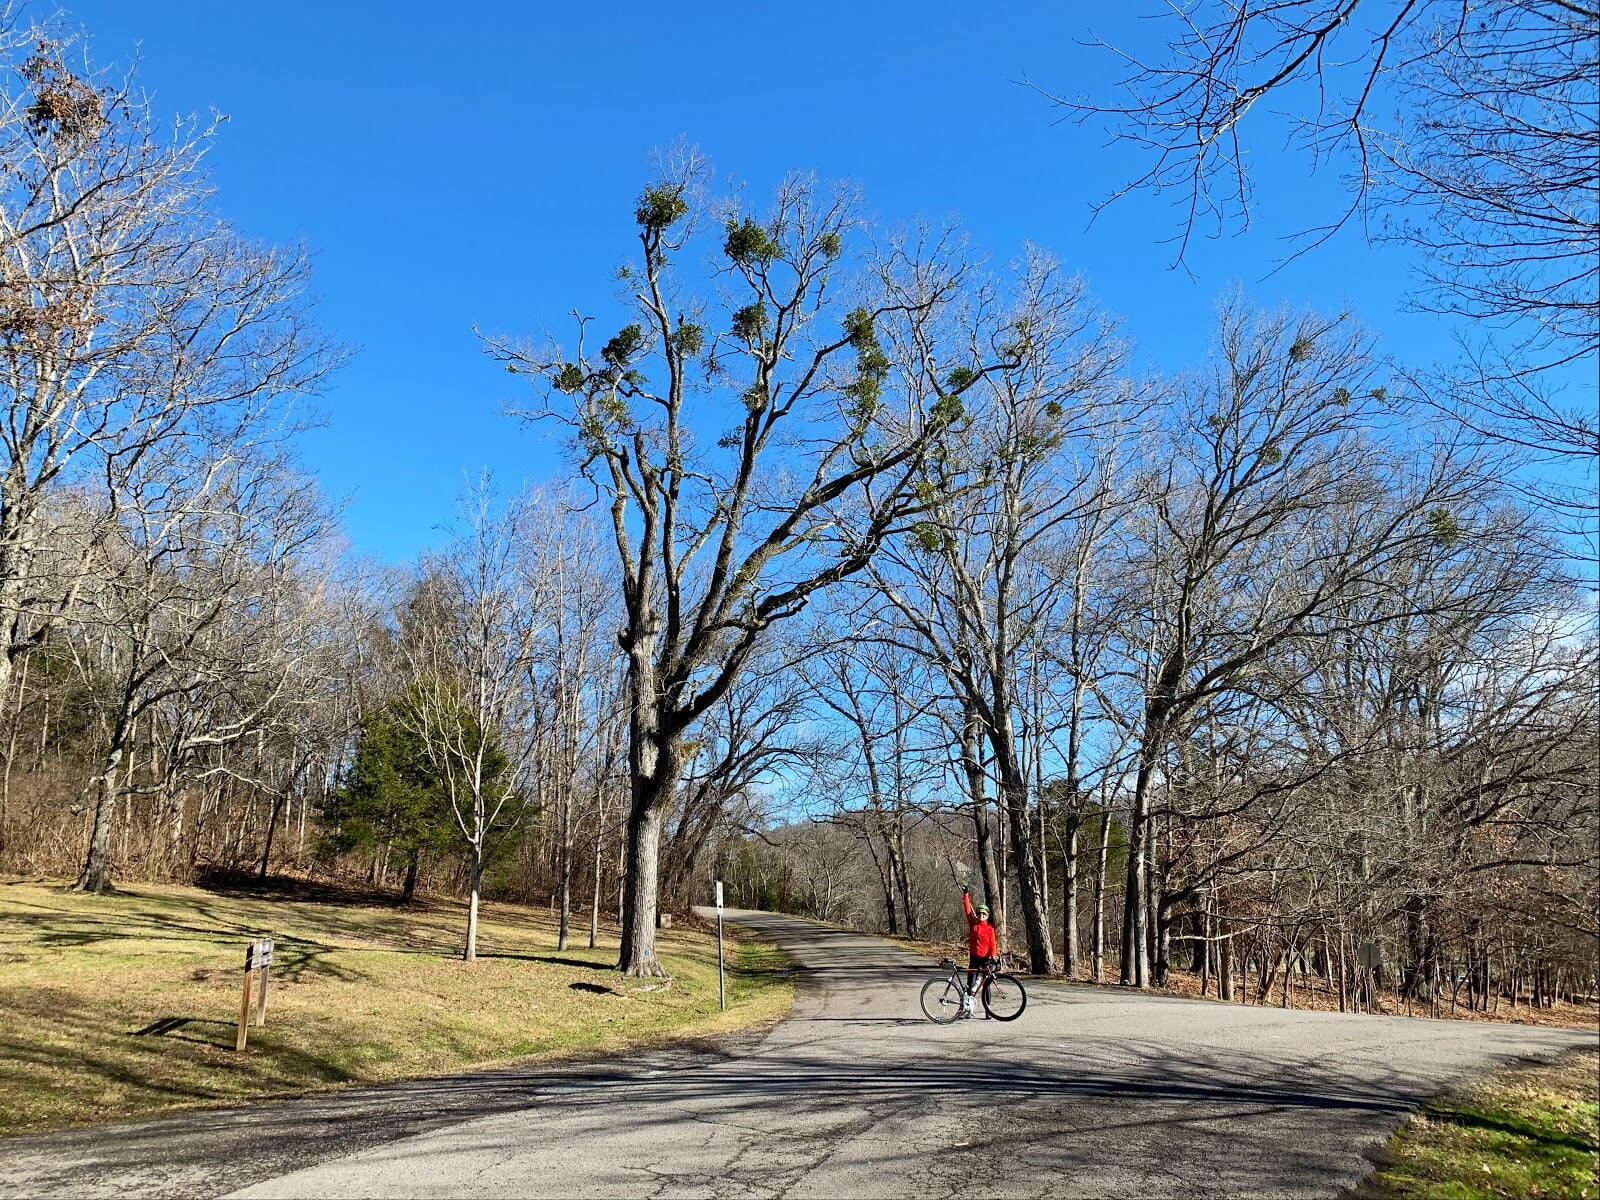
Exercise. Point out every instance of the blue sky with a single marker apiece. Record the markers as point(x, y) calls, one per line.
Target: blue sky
point(476, 165)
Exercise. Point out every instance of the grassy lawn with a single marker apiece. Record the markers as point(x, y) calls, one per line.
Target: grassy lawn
point(120, 1005)
point(1530, 1132)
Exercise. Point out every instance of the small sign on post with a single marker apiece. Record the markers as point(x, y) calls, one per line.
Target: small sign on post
point(1371, 960)
point(722, 989)
point(257, 958)
point(264, 969)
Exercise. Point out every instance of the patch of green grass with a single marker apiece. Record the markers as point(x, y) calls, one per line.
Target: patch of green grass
point(1530, 1132)
point(125, 1004)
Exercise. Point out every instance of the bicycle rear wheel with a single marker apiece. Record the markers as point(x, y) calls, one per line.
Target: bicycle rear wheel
point(941, 1000)
point(1004, 997)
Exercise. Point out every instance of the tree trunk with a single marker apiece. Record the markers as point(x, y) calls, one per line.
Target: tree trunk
point(977, 792)
point(16, 518)
point(1135, 906)
point(885, 874)
point(1069, 897)
point(474, 885)
point(1419, 950)
point(1224, 960)
point(1097, 949)
point(96, 873)
point(13, 725)
point(594, 900)
point(300, 832)
point(408, 889)
point(1163, 943)
point(272, 830)
point(1002, 859)
point(180, 802)
point(988, 867)
point(1014, 793)
point(638, 956)
point(1346, 1000)
point(1271, 964)
point(654, 760)
point(565, 924)
point(895, 840)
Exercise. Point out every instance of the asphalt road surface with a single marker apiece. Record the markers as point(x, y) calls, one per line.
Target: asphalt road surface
point(1094, 1092)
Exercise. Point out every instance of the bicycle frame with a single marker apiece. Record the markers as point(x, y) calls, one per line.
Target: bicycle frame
point(970, 983)
point(968, 979)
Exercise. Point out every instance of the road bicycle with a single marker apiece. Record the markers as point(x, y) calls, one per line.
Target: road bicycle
point(1002, 994)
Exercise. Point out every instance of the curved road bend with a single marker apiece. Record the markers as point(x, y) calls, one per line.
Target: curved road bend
point(1094, 1092)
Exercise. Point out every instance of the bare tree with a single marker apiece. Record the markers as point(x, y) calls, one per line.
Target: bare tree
point(192, 555)
point(127, 310)
point(567, 678)
point(1279, 510)
point(718, 538)
point(980, 585)
point(1081, 737)
point(480, 611)
point(882, 771)
point(1487, 166)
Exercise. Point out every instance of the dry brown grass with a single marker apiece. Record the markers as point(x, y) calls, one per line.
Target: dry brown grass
point(124, 1004)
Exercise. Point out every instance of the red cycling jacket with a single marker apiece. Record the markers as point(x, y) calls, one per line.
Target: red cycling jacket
point(980, 934)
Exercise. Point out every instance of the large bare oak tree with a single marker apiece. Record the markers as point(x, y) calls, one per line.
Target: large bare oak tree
point(756, 427)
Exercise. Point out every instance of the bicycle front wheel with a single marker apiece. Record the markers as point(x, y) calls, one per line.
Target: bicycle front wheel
point(941, 1001)
point(1004, 997)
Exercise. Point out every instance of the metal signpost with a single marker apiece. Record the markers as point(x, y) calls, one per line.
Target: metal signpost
point(1371, 959)
point(722, 992)
point(257, 957)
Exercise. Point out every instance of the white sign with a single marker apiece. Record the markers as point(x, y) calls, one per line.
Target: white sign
point(719, 895)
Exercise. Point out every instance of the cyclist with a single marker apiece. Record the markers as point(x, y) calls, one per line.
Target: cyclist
point(983, 947)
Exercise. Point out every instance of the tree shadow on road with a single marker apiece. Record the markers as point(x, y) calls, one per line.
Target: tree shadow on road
point(1116, 1082)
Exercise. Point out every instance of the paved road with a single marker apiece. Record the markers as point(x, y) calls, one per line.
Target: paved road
point(1093, 1093)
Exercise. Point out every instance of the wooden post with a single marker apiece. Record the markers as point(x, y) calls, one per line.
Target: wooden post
point(263, 964)
point(244, 1012)
point(261, 999)
point(257, 958)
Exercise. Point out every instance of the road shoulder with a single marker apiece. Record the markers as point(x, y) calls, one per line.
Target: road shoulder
point(1525, 1131)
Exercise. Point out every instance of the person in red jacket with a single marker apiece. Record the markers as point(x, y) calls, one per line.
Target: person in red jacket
point(983, 947)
